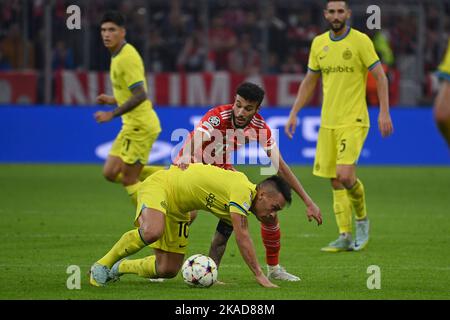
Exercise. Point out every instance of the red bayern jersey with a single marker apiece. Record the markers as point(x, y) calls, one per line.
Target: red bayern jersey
point(217, 125)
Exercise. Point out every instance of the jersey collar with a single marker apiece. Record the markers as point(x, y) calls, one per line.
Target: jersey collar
point(339, 38)
point(115, 53)
point(253, 192)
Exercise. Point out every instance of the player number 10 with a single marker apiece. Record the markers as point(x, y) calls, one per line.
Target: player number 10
point(183, 229)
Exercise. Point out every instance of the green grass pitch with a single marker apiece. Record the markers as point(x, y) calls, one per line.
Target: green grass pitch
point(54, 216)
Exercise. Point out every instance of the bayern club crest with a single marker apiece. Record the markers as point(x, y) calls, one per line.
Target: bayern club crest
point(214, 120)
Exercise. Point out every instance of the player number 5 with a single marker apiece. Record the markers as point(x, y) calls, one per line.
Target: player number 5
point(342, 145)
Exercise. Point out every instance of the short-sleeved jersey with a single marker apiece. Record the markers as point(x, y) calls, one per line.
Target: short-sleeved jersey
point(127, 72)
point(209, 188)
point(444, 67)
point(217, 125)
point(344, 63)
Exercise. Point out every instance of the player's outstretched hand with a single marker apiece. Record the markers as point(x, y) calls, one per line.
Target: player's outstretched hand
point(105, 99)
point(313, 212)
point(183, 166)
point(385, 124)
point(262, 280)
point(290, 126)
point(183, 162)
point(103, 116)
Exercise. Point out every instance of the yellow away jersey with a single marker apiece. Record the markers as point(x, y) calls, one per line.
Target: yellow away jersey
point(343, 63)
point(209, 188)
point(444, 67)
point(126, 72)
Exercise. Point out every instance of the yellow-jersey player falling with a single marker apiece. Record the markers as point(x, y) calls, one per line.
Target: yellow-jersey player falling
point(442, 101)
point(140, 124)
point(343, 57)
point(162, 219)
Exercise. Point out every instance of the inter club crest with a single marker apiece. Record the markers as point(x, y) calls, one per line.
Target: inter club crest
point(347, 55)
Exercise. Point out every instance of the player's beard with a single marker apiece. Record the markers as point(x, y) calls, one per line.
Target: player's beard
point(233, 118)
point(341, 25)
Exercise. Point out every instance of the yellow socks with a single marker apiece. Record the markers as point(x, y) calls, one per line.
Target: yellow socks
point(132, 191)
point(357, 198)
point(344, 200)
point(145, 267)
point(129, 243)
point(148, 171)
point(343, 210)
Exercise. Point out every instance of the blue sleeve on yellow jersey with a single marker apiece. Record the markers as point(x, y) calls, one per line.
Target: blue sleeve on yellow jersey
point(374, 65)
point(313, 64)
point(368, 54)
point(236, 205)
point(137, 84)
point(132, 69)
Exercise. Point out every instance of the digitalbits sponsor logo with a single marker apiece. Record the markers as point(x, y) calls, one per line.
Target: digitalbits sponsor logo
point(340, 69)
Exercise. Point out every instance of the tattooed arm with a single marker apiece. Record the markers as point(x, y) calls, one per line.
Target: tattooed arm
point(219, 242)
point(139, 96)
point(245, 244)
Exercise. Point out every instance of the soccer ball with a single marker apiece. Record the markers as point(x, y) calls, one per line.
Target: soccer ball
point(199, 271)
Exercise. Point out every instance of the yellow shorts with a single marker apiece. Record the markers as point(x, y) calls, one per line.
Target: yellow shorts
point(132, 148)
point(338, 146)
point(153, 193)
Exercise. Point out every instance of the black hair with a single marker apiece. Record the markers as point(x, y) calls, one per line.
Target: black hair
point(346, 2)
point(281, 186)
point(114, 17)
point(251, 92)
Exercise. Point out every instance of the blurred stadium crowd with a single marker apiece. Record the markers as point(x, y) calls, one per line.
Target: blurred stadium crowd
point(239, 36)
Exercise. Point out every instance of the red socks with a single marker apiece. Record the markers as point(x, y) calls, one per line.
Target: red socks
point(271, 238)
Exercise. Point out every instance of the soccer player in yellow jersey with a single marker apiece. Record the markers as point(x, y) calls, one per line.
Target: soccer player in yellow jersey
point(343, 56)
point(162, 219)
point(442, 101)
point(140, 124)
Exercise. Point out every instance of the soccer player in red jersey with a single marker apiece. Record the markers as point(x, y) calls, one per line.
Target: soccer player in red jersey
point(224, 129)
